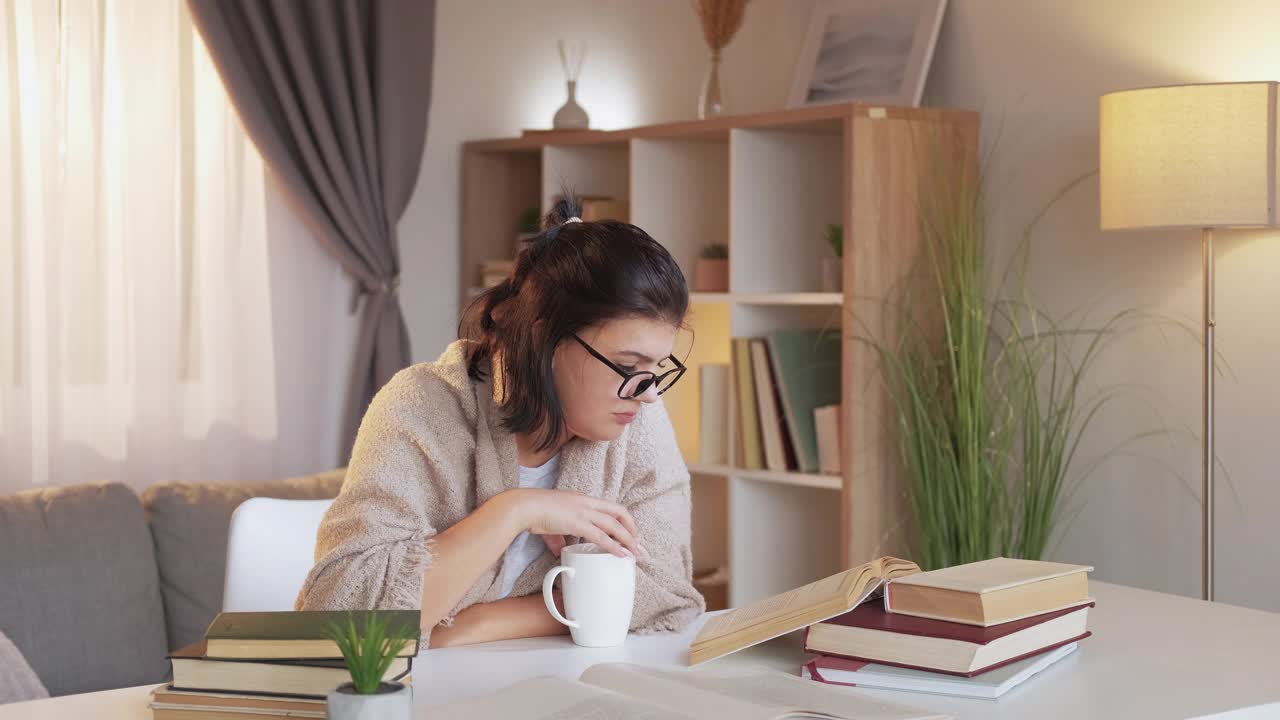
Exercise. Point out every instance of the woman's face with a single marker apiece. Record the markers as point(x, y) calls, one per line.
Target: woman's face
point(588, 388)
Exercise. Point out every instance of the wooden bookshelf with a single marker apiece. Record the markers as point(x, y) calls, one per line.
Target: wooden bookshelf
point(766, 185)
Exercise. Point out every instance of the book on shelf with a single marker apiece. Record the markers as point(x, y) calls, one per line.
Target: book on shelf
point(826, 423)
point(748, 414)
point(295, 635)
point(989, 686)
point(807, 371)
point(169, 703)
point(989, 592)
point(713, 442)
point(621, 691)
point(194, 671)
point(870, 634)
point(605, 208)
point(778, 454)
point(777, 615)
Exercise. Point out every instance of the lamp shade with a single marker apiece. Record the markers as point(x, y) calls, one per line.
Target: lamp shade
point(1188, 156)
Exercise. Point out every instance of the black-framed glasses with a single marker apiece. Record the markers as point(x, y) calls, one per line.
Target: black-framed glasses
point(635, 384)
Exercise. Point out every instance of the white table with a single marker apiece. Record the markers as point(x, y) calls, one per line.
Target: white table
point(1152, 656)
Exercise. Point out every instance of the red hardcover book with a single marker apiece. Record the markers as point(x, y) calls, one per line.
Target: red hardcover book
point(869, 634)
point(989, 685)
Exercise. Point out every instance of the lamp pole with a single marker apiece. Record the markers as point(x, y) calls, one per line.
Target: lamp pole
point(1206, 566)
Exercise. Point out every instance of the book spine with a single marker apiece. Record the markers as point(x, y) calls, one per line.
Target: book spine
point(713, 447)
point(771, 424)
point(955, 673)
point(752, 452)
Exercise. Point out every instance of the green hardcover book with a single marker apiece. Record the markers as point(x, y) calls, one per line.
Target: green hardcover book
point(748, 412)
point(296, 635)
point(806, 366)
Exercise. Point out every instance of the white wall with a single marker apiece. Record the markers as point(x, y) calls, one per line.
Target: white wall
point(1035, 69)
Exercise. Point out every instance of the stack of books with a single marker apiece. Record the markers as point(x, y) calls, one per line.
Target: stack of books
point(975, 630)
point(267, 665)
point(785, 388)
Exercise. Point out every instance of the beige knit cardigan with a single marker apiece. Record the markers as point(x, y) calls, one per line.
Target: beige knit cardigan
point(431, 448)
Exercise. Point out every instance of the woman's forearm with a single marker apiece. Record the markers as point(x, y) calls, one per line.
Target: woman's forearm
point(505, 619)
point(464, 551)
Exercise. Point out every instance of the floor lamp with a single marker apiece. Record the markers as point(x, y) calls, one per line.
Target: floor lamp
point(1191, 157)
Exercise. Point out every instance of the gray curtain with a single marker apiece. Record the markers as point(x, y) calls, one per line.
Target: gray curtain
point(335, 94)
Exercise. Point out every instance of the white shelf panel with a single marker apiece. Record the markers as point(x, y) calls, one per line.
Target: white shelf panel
point(781, 538)
point(809, 480)
point(797, 298)
point(680, 195)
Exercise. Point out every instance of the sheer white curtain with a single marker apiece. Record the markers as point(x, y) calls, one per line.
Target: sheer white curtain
point(137, 333)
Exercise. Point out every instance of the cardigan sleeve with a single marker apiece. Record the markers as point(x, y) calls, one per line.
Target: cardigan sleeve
point(373, 546)
point(658, 498)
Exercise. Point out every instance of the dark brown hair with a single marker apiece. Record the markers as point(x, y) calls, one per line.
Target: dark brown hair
point(570, 277)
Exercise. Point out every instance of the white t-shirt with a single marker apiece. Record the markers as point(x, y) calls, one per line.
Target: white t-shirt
point(527, 547)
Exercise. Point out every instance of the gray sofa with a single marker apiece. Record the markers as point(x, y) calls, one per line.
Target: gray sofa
point(97, 585)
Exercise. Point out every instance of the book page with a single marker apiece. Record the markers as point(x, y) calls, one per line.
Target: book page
point(552, 698)
point(670, 692)
point(792, 610)
point(761, 612)
point(754, 694)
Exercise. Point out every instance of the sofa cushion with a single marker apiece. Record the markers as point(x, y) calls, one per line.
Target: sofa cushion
point(81, 596)
point(189, 525)
point(18, 682)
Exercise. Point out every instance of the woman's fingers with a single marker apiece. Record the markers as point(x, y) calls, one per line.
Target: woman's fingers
point(615, 529)
point(601, 538)
point(622, 516)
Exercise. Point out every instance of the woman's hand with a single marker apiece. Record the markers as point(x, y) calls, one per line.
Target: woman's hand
point(562, 512)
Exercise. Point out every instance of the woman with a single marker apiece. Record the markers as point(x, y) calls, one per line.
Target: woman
point(541, 425)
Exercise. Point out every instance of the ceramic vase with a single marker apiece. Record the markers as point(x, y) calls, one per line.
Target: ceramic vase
point(571, 116)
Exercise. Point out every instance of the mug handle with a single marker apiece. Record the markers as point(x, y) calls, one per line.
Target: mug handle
point(550, 601)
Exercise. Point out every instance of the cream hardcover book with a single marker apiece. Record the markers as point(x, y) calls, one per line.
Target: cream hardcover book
point(989, 592)
point(773, 616)
point(619, 691)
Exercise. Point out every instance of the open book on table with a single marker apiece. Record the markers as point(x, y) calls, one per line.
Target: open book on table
point(780, 614)
point(621, 691)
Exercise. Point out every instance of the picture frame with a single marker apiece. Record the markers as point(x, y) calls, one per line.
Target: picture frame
point(869, 51)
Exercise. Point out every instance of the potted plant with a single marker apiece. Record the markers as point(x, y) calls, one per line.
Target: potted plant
point(711, 272)
point(990, 394)
point(368, 652)
point(833, 267)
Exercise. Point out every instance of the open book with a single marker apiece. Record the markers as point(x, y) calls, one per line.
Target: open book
point(619, 691)
point(768, 618)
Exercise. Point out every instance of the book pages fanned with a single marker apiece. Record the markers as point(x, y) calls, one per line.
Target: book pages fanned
point(780, 614)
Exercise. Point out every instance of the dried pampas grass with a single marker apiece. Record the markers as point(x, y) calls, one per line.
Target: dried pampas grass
point(720, 21)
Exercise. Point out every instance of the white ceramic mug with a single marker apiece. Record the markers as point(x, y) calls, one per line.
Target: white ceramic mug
point(599, 590)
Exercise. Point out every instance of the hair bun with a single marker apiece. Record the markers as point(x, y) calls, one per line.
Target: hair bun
point(565, 209)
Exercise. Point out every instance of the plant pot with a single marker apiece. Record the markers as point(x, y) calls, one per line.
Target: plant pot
point(711, 275)
point(392, 701)
point(832, 274)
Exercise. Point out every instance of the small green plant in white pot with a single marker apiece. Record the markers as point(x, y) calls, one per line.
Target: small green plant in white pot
point(368, 652)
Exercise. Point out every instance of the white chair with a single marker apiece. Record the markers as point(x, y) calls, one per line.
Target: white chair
point(270, 549)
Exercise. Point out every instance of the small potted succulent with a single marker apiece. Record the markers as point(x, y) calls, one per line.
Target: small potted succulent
point(833, 267)
point(711, 272)
point(368, 652)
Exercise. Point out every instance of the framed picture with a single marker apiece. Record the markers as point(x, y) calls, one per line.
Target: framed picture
point(874, 51)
